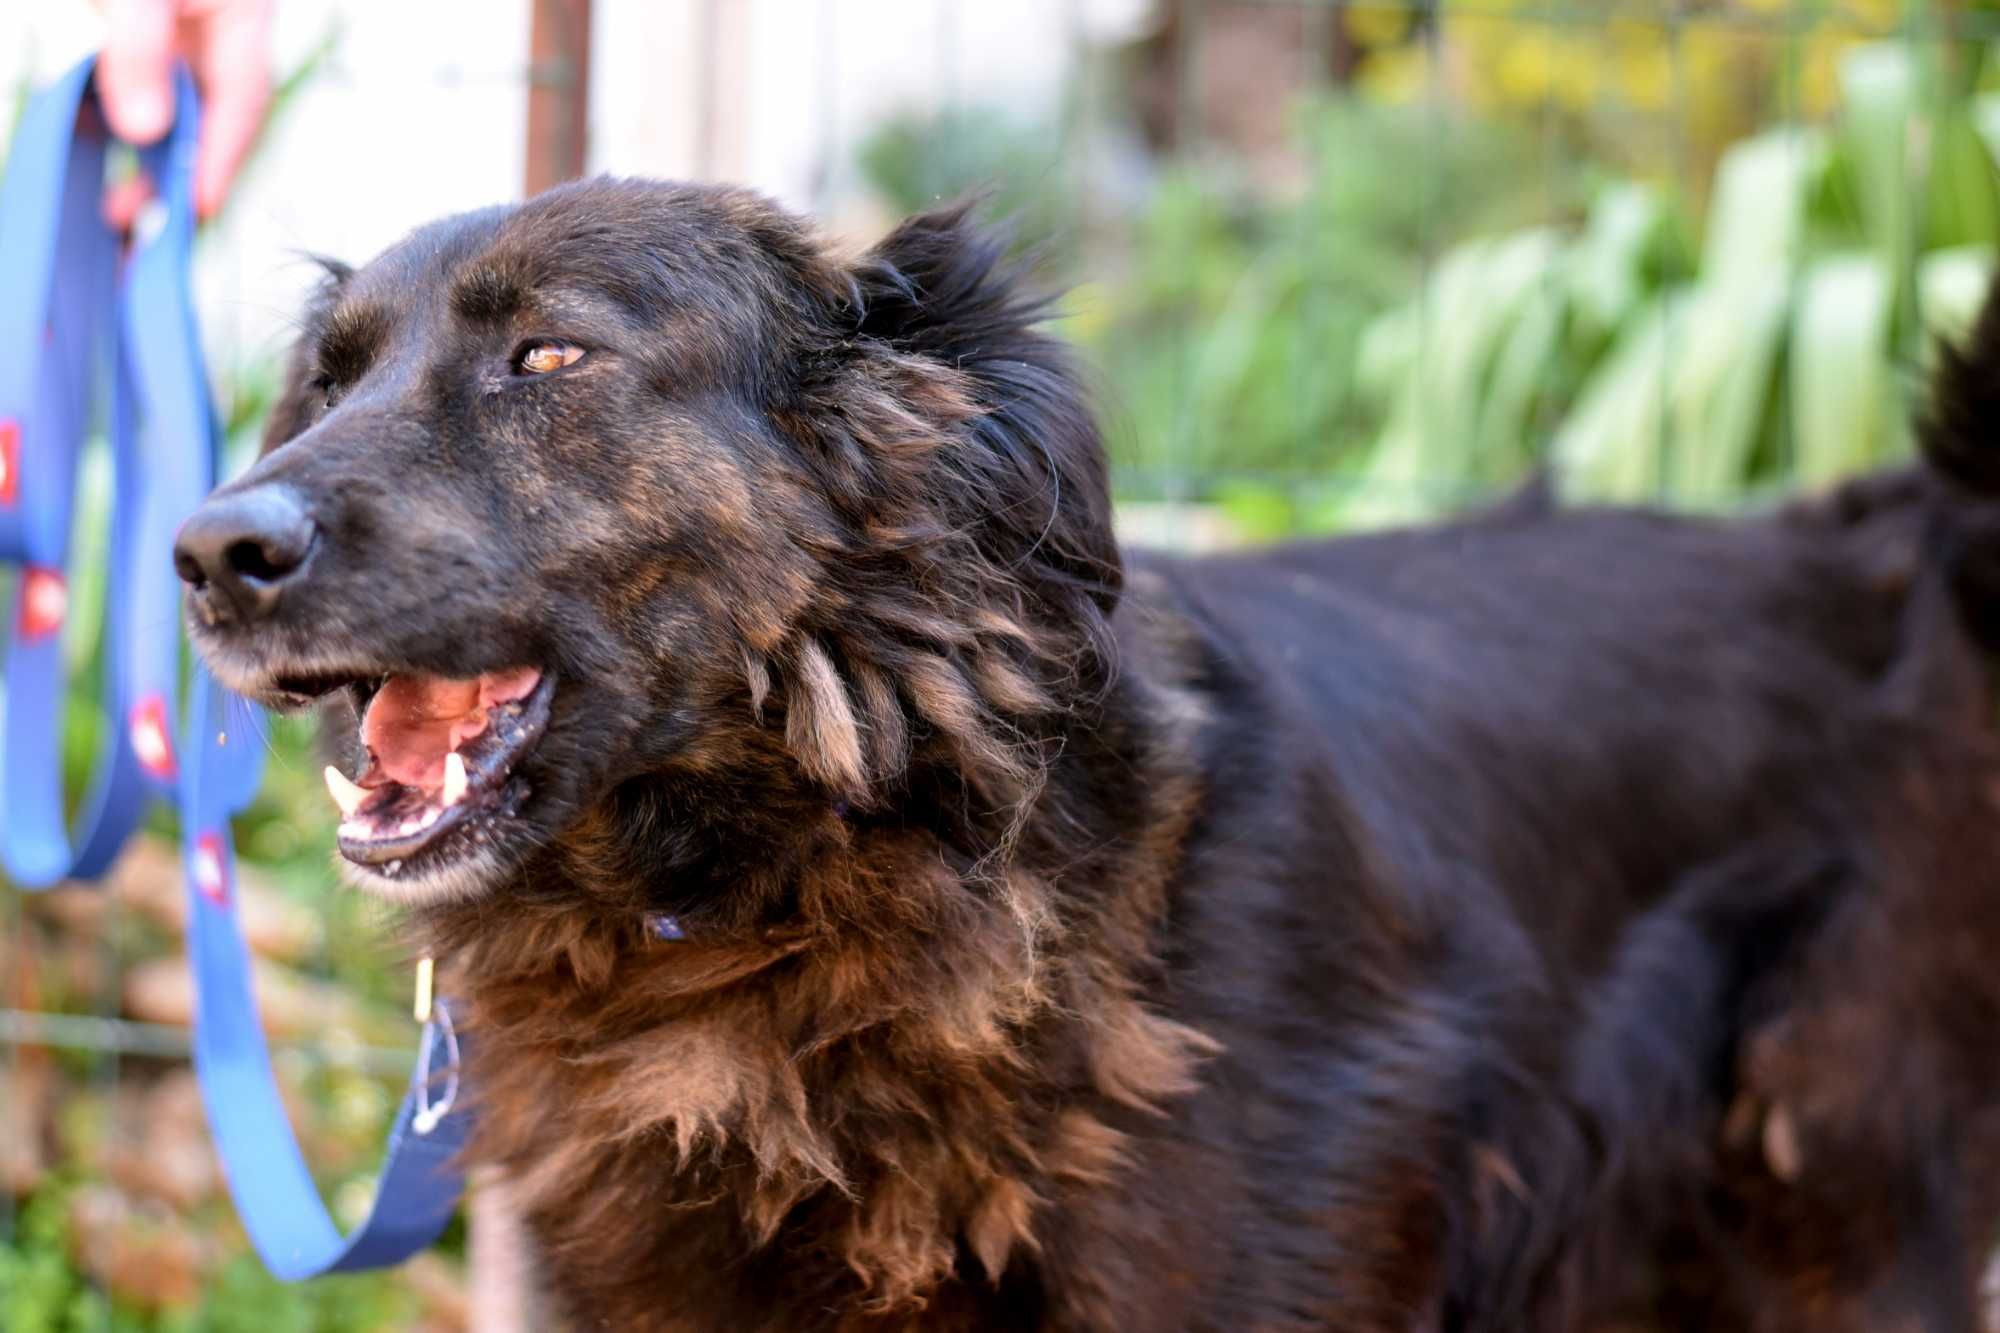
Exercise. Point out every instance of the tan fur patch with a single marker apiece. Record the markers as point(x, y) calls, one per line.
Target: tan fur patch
point(882, 713)
point(1083, 1150)
point(819, 721)
point(757, 675)
point(1000, 1221)
point(1008, 688)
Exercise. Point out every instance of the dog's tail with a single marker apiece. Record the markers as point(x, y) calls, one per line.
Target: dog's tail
point(1923, 539)
point(1960, 431)
point(1958, 434)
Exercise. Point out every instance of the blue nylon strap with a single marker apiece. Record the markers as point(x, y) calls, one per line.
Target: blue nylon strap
point(95, 318)
point(58, 266)
point(45, 154)
point(268, 1177)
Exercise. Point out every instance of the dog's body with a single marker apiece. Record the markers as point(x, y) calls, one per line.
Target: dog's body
point(1545, 918)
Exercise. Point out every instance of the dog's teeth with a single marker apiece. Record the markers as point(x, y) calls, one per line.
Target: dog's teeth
point(345, 794)
point(430, 816)
point(454, 778)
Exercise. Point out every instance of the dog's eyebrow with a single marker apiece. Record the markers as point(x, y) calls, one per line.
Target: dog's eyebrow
point(486, 295)
point(348, 337)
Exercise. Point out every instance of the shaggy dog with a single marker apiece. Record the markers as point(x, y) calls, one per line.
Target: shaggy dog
point(882, 903)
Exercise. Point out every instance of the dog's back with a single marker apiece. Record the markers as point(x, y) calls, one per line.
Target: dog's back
point(1640, 878)
point(1583, 702)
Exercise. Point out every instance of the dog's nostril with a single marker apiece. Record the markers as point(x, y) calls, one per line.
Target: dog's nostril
point(190, 570)
point(254, 559)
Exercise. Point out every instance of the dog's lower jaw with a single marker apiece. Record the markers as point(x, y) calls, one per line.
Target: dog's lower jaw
point(468, 878)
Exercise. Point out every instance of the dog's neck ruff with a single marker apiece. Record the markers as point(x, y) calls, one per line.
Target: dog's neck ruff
point(699, 1066)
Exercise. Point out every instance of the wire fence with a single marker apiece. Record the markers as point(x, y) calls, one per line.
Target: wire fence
point(1333, 264)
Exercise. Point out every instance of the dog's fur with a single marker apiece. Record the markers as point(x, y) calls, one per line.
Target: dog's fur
point(1550, 917)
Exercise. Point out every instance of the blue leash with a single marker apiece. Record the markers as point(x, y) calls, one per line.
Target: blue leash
point(99, 320)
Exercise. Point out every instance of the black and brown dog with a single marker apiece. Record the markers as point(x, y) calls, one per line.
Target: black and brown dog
point(1550, 918)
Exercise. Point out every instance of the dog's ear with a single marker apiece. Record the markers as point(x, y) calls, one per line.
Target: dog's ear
point(952, 436)
point(291, 409)
point(939, 284)
point(942, 298)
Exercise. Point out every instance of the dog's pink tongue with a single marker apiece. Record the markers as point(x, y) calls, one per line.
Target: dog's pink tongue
point(413, 722)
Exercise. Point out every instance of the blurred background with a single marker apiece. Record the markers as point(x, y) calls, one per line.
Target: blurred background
point(1331, 263)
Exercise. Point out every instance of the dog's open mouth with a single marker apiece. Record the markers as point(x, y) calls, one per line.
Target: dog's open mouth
point(442, 756)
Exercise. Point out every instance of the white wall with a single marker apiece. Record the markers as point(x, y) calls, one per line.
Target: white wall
point(790, 87)
point(422, 110)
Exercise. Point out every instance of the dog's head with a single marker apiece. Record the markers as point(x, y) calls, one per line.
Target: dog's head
point(639, 488)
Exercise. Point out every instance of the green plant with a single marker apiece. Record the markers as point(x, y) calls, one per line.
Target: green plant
point(1224, 324)
point(1829, 256)
point(921, 161)
point(38, 1289)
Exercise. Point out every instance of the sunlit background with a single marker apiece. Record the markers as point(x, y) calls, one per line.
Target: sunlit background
point(1331, 264)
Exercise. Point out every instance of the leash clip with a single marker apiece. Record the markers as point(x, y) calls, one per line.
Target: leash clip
point(429, 1113)
point(426, 974)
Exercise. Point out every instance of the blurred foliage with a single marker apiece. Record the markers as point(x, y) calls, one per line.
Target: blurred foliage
point(1226, 324)
point(1786, 355)
point(1231, 339)
point(1614, 75)
point(1518, 235)
point(924, 162)
point(41, 1292)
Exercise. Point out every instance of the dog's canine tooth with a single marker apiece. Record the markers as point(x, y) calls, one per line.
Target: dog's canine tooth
point(454, 779)
point(345, 793)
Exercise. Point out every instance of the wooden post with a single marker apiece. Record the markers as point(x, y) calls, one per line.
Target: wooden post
point(558, 93)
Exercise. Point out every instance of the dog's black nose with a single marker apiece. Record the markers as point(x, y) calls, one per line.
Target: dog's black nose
point(238, 550)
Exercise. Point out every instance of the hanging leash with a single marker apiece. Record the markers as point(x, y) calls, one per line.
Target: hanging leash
point(94, 325)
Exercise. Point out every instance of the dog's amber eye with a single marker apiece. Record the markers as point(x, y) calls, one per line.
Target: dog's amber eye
point(543, 357)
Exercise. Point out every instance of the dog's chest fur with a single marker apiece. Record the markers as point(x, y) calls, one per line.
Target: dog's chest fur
point(875, 1104)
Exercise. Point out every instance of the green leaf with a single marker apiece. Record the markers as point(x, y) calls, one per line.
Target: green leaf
point(1842, 398)
point(1962, 203)
point(1757, 213)
point(1951, 286)
point(1466, 363)
point(1607, 273)
point(1679, 405)
point(1612, 443)
point(1725, 360)
point(1881, 92)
